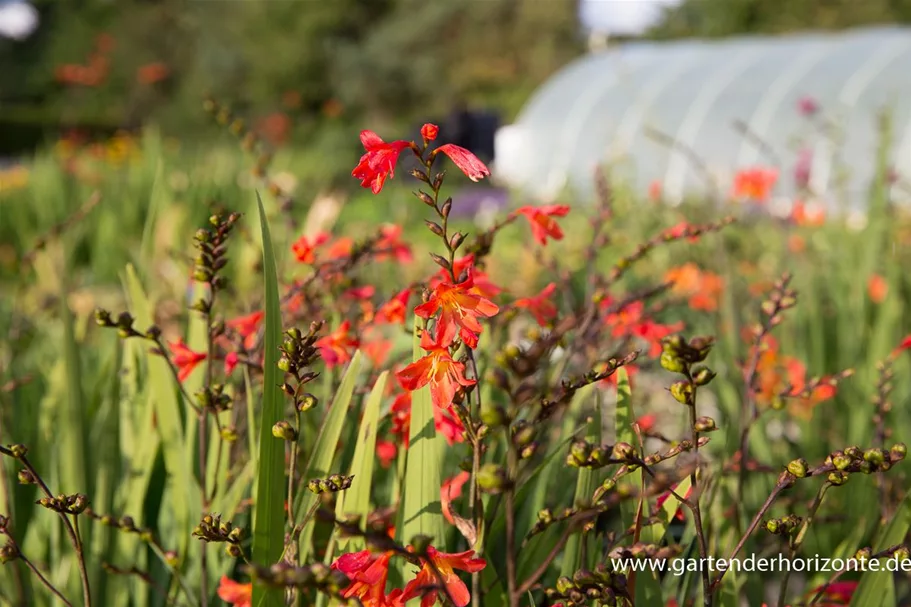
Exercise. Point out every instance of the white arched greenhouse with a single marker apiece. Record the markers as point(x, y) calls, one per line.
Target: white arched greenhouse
point(813, 99)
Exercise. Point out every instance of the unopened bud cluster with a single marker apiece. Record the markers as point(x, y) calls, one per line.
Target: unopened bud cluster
point(602, 585)
point(493, 479)
point(213, 398)
point(854, 459)
point(65, 504)
point(124, 325)
point(213, 529)
point(583, 454)
point(331, 484)
point(783, 526)
point(298, 354)
point(9, 552)
point(523, 439)
point(678, 355)
point(212, 245)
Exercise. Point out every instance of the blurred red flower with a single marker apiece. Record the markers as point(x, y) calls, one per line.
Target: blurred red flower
point(755, 183)
point(542, 222)
point(185, 359)
point(234, 593)
point(540, 305)
point(379, 160)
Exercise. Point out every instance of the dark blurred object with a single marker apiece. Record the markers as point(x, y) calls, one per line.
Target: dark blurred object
point(473, 130)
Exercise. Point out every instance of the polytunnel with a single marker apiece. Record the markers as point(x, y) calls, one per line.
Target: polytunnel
point(728, 102)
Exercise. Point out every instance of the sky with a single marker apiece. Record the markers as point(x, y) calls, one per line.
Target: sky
point(622, 17)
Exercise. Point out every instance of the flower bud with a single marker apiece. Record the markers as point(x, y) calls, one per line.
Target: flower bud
point(284, 364)
point(837, 478)
point(420, 543)
point(307, 402)
point(234, 551)
point(103, 318)
point(798, 467)
point(8, 553)
point(26, 478)
point(565, 585)
point(171, 558)
point(493, 415)
point(705, 424)
point(682, 391)
point(671, 362)
point(492, 478)
point(434, 227)
point(898, 452)
point(875, 456)
point(284, 431)
point(18, 451)
point(228, 434)
point(841, 461)
point(446, 207)
point(703, 376)
point(624, 451)
point(902, 554)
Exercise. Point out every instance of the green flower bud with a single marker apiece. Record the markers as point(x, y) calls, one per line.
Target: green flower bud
point(492, 415)
point(26, 478)
point(234, 551)
point(682, 391)
point(837, 478)
point(624, 451)
point(705, 424)
point(703, 376)
point(898, 452)
point(284, 431)
point(875, 456)
point(284, 363)
point(672, 362)
point(492, 478)
point(18, 451)
point(773, 526)
point(171, 558)
point(798, 467)
point(902, 554)
point(8, 553)
point(307, 402)
point(565, 585)
point(841, 462)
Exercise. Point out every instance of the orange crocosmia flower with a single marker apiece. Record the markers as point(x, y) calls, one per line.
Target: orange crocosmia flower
point(368, 574)
point(152, 73)
point(469, 164)
point(482, 284)
point(445, 422)
point(904, 345)
point(247, 327)
point(877, 288)
point(438, 369)
point(804, 214)
point(702, 288)
point(541, 306)
point(459, 311)
point(363, 292)
point(542, 222)
point(391, 246)
point(452, 490)
point(430, 131)
point(339, 249)
point(304, 247)
point(630, 321)
point(445, 565)
point(679, 231)
point(337, 347)
point(647, 422)
point(234, 593)
point(184, 358)
point(395, 310)
point(379, 160)
point(755, 183)
point(377, 350)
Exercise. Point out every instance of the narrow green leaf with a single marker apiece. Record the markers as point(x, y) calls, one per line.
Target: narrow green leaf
point(624, 428)
point(356, 500)
point(878, 587)
point(72, 442)
point(323, 454)
point(269, 520)
point(422, 512)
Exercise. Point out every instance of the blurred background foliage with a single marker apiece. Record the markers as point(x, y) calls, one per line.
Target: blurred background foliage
point(104, 65)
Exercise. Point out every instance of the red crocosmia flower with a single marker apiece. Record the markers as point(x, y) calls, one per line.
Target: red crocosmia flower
point(904, 345)
point(542, 221)
point(540, 305)
point(379, 160)
point(473, 168)
point(452, 490)
point(459, 311)
point(438, 369)
point(449, 426)
point(445, 564)
point(391, 246)
point(336, 348)
point(377, 350)
point(663, 498)
point(647, 422)
point(364, 292)
point(836, 594)
point(430, 131)
point(184, 358)
point(304, 247)
point(231, 360)
point(755, 184)
point(877, 288)
point(339, 249)
point(247, 327)
point(445, 422)
point(368, 574)
point(386, 451)
point(395, 310)
point(234, 593)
